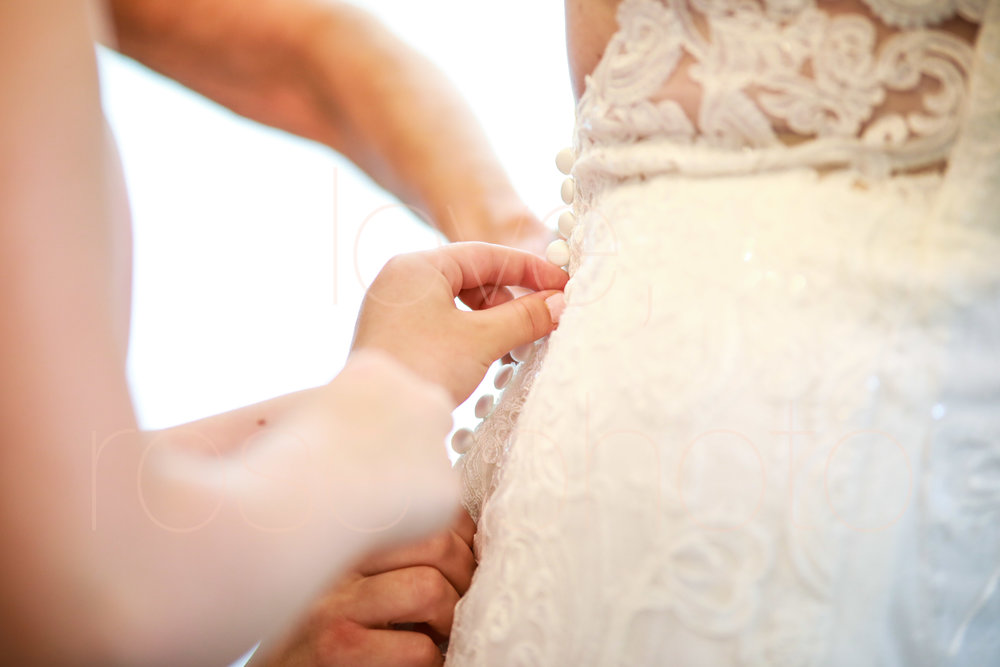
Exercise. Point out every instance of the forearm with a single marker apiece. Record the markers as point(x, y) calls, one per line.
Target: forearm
point(280, 507)
point(226, 433)
point(188, 559)
point(330, 72)
point(208, 553)
point(133, 550)
point(403, 122)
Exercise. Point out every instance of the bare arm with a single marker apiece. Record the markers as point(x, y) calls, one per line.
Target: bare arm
point(123, 546)
point(330, 72)
point(127, 546)
point(223, 433)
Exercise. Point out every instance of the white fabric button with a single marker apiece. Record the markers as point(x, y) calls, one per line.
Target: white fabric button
point(567, 221)
point(483, 406)
point(565, 160)
point(558, 253)
point(462, 441)
point(503, 376)
point(522, 353)
point(568, 190)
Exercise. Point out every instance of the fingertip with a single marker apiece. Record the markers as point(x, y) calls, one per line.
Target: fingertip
point(540, 315)
point(556, 305)
point(523, 320)
point(547, 275)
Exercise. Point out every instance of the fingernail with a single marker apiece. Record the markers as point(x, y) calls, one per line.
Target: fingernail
point(556, 305)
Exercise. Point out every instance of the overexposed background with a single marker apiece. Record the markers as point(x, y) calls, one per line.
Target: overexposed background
point(245, 282)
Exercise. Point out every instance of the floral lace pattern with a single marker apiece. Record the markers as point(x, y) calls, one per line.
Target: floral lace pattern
point(480, 467)
point(761, 65)
point(616, 535)
point(773, 386)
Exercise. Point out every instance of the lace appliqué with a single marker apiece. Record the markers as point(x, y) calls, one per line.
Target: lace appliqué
point(480, 467)
point(762, 65)
point(576, 567)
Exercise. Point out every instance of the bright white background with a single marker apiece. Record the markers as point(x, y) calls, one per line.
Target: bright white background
point(245, 281)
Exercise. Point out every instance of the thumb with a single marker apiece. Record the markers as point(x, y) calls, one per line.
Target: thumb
point(516, 322)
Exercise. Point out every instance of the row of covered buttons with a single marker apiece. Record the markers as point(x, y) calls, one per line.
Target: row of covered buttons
point(558, 250)
point(463, 439)
point(558, 254)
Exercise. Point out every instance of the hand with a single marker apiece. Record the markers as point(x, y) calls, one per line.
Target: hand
point(357, 622)
point(388, 427)
point(410, 311)
point(524, 232)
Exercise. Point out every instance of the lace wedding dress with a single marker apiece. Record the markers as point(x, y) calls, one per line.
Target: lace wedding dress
point(767, 430)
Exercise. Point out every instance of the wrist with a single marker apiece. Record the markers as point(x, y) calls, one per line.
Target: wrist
point(521, 230)
point(500, 219)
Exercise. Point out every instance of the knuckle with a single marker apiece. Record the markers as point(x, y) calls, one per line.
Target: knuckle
point(422, 652)
point(523, 316)
point(530, 318)
point(440, 548)
point(341, 641)
point(429, 587)
point(397, 265)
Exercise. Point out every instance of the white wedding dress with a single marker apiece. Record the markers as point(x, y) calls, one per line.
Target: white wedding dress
point(767, 430)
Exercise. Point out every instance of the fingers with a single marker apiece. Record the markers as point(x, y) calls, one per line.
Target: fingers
point(346, 644)
point(411, 595)
point(515, 323)
point(465, 527)
point(395, 648)
point(470, 265)
point(449, 552)
point(392, 619)
point(485, 296)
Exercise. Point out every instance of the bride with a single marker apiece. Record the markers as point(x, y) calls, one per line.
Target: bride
point(766, 431)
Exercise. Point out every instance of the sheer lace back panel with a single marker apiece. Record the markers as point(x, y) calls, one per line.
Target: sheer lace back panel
point(764, 244)
point(879, 85)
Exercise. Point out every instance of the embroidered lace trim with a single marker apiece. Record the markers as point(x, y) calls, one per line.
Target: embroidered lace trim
point(881, 88)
